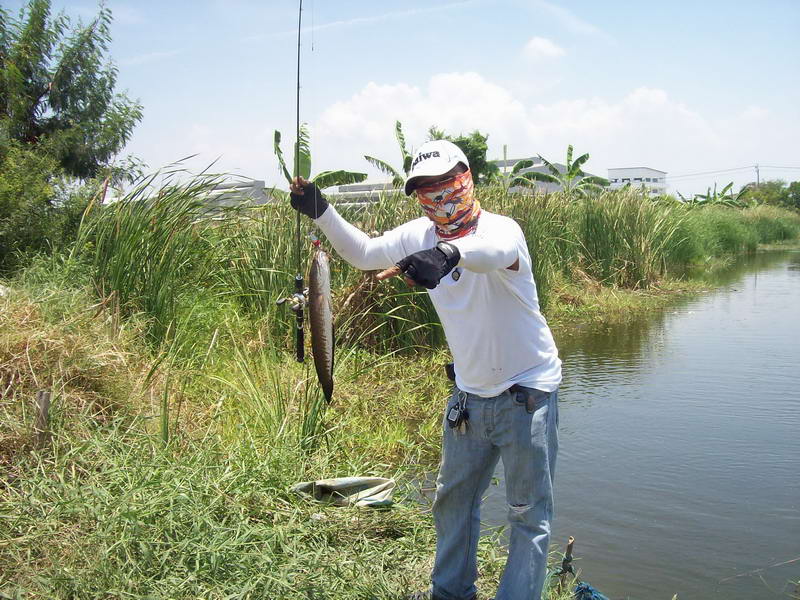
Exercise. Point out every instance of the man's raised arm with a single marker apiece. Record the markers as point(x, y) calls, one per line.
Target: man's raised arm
point(352, 244)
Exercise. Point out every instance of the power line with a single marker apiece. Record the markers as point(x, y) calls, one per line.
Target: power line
point(710, 172)
point(756, 167)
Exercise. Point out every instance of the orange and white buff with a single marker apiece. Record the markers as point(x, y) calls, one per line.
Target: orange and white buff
point(451, 205)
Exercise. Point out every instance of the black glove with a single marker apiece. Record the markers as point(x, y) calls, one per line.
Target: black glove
point(427, 267)
point(312, 203)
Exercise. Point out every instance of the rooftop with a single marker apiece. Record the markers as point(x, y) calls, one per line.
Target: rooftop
point(626, 168)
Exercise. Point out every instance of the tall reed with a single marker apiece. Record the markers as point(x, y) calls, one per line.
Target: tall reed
point(625, 236)
point(157, 253)
point(546, 221)
point(151, 246)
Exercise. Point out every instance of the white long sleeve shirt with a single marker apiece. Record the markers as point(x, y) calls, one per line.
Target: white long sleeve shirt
point(489, 312)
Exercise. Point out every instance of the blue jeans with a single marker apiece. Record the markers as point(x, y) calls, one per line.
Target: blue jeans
point(527, 442)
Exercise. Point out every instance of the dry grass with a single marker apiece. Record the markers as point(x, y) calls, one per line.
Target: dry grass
point(85, 360)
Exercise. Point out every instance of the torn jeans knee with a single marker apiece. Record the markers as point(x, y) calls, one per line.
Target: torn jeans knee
point(519, 508)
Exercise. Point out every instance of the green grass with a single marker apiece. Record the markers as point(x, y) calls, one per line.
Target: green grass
point(114, 509)
point(180, 418)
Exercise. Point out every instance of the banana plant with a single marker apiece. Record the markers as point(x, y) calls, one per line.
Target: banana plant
point(397, 177)
point(510, 179)
point(573, 180)
point(713, 198)
point(302, 153)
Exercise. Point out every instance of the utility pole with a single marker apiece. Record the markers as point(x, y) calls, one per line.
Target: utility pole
point(758, 177)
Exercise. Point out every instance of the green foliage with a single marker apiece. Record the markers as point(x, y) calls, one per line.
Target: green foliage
point(724, 197)
point(325, 179)
point(276, 146)
point(209, 513)
point(573, 181)
point(772, 223)
point(474, 146)
point(508, 179)
point(624, 237)
point(398, 178)
point(302, 163)
point(793, 195)
point(149, 248)
point(548, 224)
point(58, 88)
point(30, 191)
point(302, 154)
point(774, 193)
point(195, 504)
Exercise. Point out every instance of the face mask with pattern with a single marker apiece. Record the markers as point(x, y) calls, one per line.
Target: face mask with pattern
point(451, 206)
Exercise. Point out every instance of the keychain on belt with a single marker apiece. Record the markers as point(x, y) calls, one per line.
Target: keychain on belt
point(458, 415)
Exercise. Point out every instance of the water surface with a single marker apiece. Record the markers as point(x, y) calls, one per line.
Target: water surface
point(679, 465)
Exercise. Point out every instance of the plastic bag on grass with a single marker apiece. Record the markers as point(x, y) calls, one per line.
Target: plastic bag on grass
point(375, 492)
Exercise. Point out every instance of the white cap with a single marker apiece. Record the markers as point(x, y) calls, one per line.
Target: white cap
point(436, 157)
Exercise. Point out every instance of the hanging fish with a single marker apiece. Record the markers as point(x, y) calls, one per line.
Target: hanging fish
point(320, 314)
point(316, 299)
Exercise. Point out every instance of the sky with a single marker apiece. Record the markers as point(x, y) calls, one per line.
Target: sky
point(685, 87)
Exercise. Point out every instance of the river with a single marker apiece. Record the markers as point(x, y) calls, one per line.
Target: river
point(679, 465)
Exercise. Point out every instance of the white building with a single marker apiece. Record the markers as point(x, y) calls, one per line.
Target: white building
point(651, 179)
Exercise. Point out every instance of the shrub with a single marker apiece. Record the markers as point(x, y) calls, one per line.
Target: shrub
point(29, 189)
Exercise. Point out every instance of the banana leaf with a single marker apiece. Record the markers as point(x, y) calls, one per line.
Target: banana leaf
point(302, 154)
point(279, 154)
point(329, 178)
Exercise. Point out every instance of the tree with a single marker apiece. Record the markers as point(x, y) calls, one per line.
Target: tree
point(397, 178)
point(793, 195)
point(57, 88)
point(29, 190)
point(775, 192)
point(572, 180)
point(474, 146)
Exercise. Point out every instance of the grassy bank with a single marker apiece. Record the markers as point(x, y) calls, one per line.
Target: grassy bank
point(179, 418)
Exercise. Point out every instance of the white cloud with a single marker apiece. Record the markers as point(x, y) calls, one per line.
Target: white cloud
point(455, 102)
point(539, 48)
point(645, 127)
point(641, 127)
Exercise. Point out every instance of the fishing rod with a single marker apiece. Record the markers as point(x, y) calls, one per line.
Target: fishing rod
point(317, 297)
point(299, 284)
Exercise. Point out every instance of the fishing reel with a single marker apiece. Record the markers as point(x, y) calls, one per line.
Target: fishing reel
point(297, 301)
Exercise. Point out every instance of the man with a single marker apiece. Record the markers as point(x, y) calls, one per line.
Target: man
point(477, 269)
